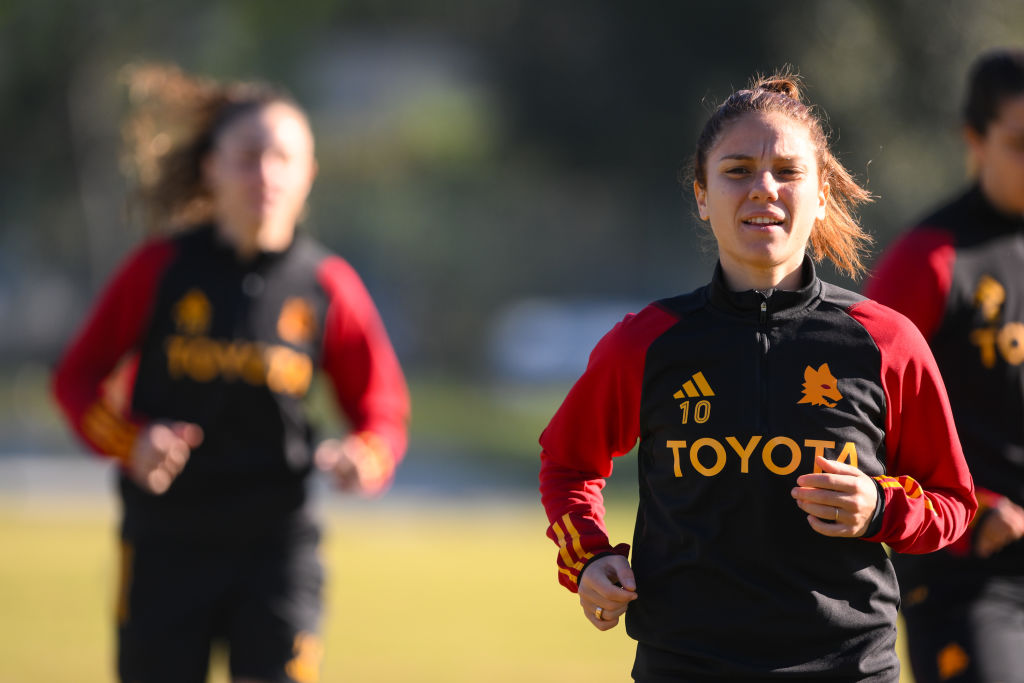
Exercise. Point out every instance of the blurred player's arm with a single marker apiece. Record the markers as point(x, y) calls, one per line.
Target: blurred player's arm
point(928, 490)
point(914, 277)
point(108, 337)
point(368, 384)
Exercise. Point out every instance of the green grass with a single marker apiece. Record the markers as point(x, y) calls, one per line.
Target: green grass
point(428, 593)
point(414, 594)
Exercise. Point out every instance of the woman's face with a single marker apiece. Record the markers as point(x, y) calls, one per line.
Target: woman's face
point(762, 198)
point(260, 172)
point(999, 156)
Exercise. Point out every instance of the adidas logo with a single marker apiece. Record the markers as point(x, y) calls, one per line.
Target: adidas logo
point(692, 388)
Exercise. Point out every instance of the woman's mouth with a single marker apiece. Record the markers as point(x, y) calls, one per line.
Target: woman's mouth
point(763, 221)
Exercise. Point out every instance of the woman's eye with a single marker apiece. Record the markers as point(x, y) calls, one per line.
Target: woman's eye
point(246, 158)
point(736, 170)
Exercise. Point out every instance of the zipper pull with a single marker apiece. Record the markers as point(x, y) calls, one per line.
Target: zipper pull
point(764, 312)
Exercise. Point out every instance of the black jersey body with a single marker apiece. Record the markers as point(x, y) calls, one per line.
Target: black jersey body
point(725, 539)
point(731, 396)
point(958, 276)
point(979, 344)
point(213, 355)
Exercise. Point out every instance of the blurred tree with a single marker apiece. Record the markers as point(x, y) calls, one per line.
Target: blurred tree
point(473, 153)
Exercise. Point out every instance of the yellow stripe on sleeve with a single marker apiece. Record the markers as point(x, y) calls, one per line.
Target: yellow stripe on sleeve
point(575, 535)
point(114, 435)
point(912, 488)
point(563, 548)
point(98, 427)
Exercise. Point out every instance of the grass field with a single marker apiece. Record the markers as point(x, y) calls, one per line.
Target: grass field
point(416, 593)
point(418, 590)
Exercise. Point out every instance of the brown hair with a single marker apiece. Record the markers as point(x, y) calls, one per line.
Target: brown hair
point(838, 236)
point(995, 76)
point(174, 121)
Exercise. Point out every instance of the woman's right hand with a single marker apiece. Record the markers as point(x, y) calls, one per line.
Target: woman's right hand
point(606, 587)
point(160, 452)
point(1003, 525)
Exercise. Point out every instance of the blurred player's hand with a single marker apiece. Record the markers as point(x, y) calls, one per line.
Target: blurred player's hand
point(607, 586)
point(1003, 525)
point(358, 463)
point(160, 452)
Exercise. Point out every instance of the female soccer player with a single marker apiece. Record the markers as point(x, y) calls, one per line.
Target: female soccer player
point(959, 275)
point(786, 427)
point(222, 327)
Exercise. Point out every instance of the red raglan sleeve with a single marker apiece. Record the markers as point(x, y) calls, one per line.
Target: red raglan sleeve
point(111, 333)
point(361, 364)
point(929, 493)
point(598, 421)
point(914, 277)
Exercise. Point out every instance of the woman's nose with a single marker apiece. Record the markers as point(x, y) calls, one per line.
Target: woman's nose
point(764, 187)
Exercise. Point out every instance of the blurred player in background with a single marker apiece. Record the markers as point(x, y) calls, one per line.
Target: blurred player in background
point(787, 428)
point(218, 327)
point(959, 275)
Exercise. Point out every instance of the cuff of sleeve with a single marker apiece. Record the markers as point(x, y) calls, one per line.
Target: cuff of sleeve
point(964, 546)
point(986, 501)
point(875, 525)
point(620, 549)
point(111, 434)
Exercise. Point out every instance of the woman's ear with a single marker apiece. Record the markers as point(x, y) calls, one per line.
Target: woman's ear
point(975, 150)
point(823, 193)
point(701, 196)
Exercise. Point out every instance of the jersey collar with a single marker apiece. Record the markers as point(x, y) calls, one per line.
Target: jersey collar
point(778, 303)
point(999, 221)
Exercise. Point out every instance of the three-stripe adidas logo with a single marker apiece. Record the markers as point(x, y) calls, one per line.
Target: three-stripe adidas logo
point(696, 387)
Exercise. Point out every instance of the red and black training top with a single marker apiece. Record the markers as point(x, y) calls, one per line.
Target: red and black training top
point(959, 275)
point(731, 395)
point(233, 346)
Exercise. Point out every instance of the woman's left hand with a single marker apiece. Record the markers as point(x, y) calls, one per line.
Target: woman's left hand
point(839, 501)
point(356, 465)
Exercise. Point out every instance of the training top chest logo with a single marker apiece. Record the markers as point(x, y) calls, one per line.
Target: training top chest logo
point(821, 388)
point(996, 337)
point(989, 297)
point(297, 322)
point(695, 387)
point(194, 355)
point(192, 313)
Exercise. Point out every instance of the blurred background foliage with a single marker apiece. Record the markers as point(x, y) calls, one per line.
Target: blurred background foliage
point(503, 173)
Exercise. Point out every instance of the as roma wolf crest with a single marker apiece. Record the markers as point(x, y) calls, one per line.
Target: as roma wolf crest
point(820, 386)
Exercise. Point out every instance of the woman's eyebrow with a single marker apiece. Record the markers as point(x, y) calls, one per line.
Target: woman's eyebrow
point(735, 157)
point(747, 157)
